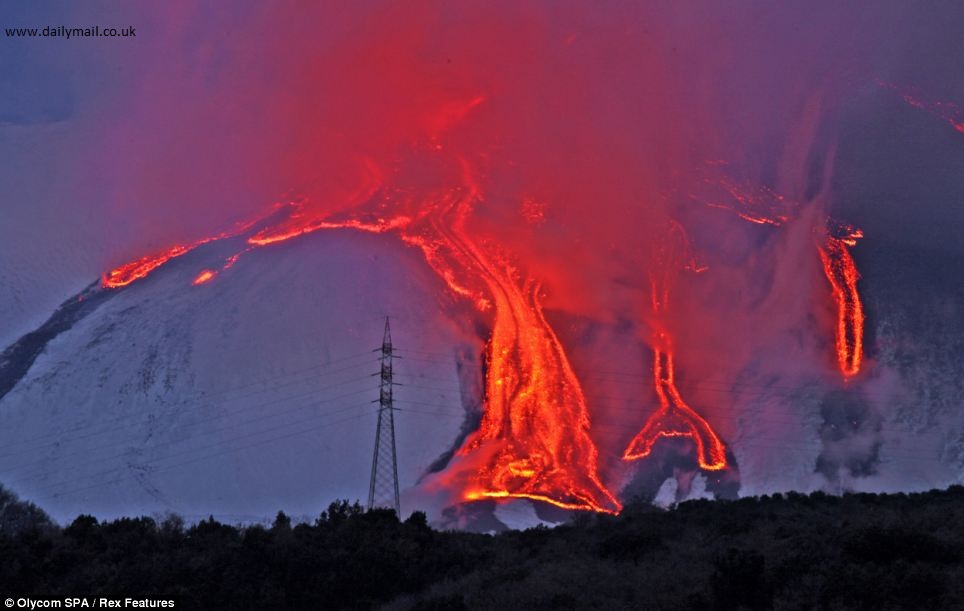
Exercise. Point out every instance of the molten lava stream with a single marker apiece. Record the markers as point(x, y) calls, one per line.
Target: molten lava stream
point(764, 207)
point(140, 268)
point(674, 418)
point(841, 271)
point(947, 111)
point(205, 276)
point(534, 440)
point(535, 413)
point(536, 419)
point(135, 270)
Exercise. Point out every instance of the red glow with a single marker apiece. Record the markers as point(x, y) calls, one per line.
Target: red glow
point(526, 155)
point(135, 270)
point(536, 414)
point(756, 204)
point(841, 271)
point(140, 268)
point(533, 441)
point(674, 417)
point(205, 276)
point(946, 111)
point(451, 114)
point(302, 221)
point(770, 208)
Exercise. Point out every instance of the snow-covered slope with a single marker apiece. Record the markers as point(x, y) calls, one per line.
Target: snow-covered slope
point(239, 397)
point(898, 426)
point(253, 392)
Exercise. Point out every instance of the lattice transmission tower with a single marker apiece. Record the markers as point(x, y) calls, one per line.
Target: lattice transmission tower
point(383, 489)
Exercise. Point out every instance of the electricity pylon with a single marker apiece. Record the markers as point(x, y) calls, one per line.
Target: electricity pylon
point(383, 489)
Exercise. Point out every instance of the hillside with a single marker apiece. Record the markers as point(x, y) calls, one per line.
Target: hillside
point(248, 393)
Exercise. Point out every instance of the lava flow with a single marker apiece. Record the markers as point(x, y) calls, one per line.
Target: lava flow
point(534, 431)
point(946, 111)
point(674, 417)
point(764, 206)
point(205, 276)
point(534, 440)
point(536, 415)
point(140, 268)
point(135, 270)
point(841, 271)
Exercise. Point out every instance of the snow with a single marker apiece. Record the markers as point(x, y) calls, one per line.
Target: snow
point(254, 392)
point(247, 395)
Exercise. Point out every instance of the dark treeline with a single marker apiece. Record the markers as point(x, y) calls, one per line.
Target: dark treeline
point(859, 551)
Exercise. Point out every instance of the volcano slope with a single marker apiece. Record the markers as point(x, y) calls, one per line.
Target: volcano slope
point(234, 397)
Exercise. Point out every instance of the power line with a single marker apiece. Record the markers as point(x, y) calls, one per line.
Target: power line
point(271, 415)
point(72, 432)
point(385, 434)
point(214, 417)
point(632, 427)
point(302, 431)
point(607, 404)
point(627, 377)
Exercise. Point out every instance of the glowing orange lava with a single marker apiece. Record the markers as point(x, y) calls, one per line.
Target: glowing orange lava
point(674, 417)
point(140, 268)
point(205, 276)
point(536, 415)
point(756, 204)
point(765, 206)
point(135, 270)
point(533, 441)
point(841, 271)
point(300, 221)
point(946, 111)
